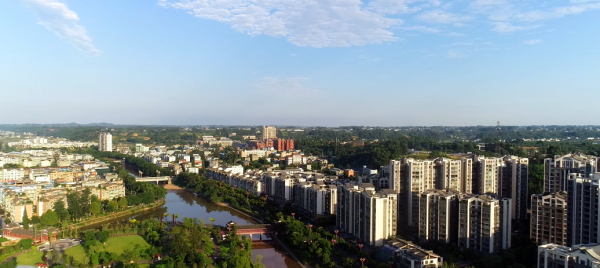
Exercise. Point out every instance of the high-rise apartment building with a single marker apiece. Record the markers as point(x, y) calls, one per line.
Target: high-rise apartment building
point(548, 223)
point(486, 172)
point(513, 183)
point(419, 176)
point(269, 132)
point(105, 142)
point(484, 222)
point(449, 174)
point(557, 170)
point(583, 203)
point(438, 214)
point(368, 215)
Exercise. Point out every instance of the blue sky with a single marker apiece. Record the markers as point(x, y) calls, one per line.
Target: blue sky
point(300, 62)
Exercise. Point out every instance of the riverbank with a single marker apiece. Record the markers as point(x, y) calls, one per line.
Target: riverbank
point(120, 214)
point(251, 218)
point(172, 187)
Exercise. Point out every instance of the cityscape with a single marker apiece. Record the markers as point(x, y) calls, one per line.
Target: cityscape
point(299, 134)
point(448, 201)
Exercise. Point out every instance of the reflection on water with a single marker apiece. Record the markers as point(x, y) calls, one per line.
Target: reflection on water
point(188, 205)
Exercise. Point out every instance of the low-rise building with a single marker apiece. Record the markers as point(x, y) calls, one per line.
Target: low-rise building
point(577, 256)
point(408, 255)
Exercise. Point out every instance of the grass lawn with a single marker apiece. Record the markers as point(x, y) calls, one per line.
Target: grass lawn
point(114, 245)
point(30, 258)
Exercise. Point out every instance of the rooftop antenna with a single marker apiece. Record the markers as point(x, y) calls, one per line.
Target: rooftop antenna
point(498, 149)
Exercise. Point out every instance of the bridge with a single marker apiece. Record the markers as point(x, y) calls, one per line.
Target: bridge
point(154, 179)
point(262, 230)
point(252, 228)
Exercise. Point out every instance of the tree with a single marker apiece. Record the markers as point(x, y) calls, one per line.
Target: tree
point(50, 218)
point(113, 205)
point(7, 220)
point(25, 220)
point(89, 239)
point(95, 208)
point(61, 212)
point(35, 219)
point(26, 243)
point(123, 202)
point(103, 236)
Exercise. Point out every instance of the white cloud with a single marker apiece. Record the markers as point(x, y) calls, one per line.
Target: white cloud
point(420, 28)
point(440, 16)
point(452, 54)
point(393, 6)
point(556, 13)
point(344, 23)
point(314, 23)
point(64, 22)
point(532, 42)
point(505, 27)
point(369, 59)
point(291, 86)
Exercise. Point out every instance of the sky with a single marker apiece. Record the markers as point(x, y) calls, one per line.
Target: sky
point(300, 62)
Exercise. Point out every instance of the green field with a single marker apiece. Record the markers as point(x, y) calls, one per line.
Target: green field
point(30, 258)
point(114, 245)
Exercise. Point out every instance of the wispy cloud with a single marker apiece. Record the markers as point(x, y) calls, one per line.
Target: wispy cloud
point(323, 23)
point(64, 22)
point(440, 16)
point(344, 23)
point(369, 59)
point(291, 86)
point(453, 54)
point(420, 28)
point(505, 27)
point(532, 42)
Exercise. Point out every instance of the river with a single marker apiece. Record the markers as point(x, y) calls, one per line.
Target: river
point(188, 205)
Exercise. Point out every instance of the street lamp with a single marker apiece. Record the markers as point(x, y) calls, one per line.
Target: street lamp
point(362, 260)
point(293, 215)
point(336, 233)
point(333, 242)
point(310, 228)
point(360, 247)
point(266, 196)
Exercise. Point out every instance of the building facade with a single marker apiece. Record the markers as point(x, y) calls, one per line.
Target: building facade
point(557, 170)
point(548, 223)
point(269, 132)
point(484, 223)
point(438, 214)
point(105, 142)
point(583, 203)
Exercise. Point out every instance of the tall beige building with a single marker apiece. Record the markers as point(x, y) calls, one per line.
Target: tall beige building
point(484, 223)
point(105, 142)
point(438, 213)
point(368, 215)
point(557, 170)
point(549, 218)
point(269, 132)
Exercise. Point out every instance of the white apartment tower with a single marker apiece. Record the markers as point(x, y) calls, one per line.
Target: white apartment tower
point(368, 215)
point(549, 218)
point(486, 172)
point(105, 142)
point(557, 170)
point(484, 223)
point(438, 213)
point(269, 132)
